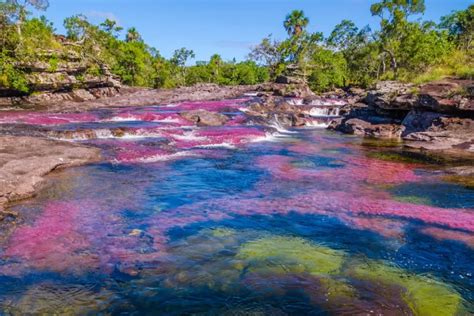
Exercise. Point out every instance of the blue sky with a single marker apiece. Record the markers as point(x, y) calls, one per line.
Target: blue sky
point(227, 27)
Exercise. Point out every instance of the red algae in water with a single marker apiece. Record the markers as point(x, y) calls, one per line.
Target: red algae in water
point(39, 118)
point(445, 234)
point(52, 242)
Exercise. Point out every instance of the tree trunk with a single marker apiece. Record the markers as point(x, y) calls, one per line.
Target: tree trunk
point(394, 63)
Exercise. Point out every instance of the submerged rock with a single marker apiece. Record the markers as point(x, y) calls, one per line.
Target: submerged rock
point(205, 118)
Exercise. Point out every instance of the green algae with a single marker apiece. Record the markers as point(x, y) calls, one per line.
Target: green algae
point(392, 156)
point(424, 296)
point(56, 299)
point(222, 232)
point(337, 289)
point(290, 254)
point(413, 199)
point(381, 143)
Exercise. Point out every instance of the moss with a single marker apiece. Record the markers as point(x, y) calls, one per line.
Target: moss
point(465, 181)
point(424, 296)
point(53, 63)
point(290, 254)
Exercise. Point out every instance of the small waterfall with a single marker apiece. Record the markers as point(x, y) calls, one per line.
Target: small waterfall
point(324, 111)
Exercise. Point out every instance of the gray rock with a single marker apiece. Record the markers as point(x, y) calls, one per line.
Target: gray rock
point(205, 118)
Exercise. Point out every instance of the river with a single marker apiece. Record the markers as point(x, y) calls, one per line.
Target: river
point(237, 220)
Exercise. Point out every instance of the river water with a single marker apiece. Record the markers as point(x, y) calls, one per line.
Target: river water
point(237, 220)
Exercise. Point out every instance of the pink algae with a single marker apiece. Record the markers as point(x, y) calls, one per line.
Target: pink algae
point(357, 170)
point(44, 118)
point(445, 234)
point(169, 118)
point(52, 242)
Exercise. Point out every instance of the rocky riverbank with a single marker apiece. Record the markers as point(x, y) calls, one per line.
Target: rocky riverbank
point(438, 116)
point(24, 161)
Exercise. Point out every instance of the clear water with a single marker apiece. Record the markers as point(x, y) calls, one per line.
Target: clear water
point(310, 222)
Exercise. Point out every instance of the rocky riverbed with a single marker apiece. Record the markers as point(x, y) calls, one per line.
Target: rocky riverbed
point(248, 197)
point(436, 117)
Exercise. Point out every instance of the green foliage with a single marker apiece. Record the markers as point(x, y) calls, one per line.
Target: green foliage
point(403, 48)
point(329, 70)
point(460, 26)
point(11, 77)
point(295, 23)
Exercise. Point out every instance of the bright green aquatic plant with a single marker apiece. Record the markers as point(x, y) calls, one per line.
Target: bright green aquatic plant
point(413, 199)
point(424, 296)
point(291, 254)
point(222, 232)
point(396, 157)
point(377, 142)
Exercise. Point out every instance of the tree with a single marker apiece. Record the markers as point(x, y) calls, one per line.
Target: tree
point(179, 60)
point(295, 23)
point(111, 27)
point(393, 26)
point(460, 25)
point(358, 50)
point(269, 54)
point(343, 36)
point(18, 11)
point(133, 35)
point(215, 65)
point(181, 56)
point(328, 71)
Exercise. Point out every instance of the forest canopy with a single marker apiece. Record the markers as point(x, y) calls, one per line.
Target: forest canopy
point(403, 47)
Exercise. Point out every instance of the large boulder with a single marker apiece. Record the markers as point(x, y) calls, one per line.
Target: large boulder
point(419, 120)
point(448, 96)
point(391, 96)
point(360, 127)
point(445, 133)
point(205, 118)
point(25, 160)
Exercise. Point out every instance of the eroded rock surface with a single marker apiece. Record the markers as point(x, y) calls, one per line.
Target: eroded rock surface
point(24, 161)
point(434, 116)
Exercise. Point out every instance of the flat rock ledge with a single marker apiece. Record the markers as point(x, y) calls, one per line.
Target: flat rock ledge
point(24, 161)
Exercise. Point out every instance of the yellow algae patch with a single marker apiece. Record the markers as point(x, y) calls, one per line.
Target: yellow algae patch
point(292, 255)
point(465, 181)
point(336, 289)
point(55, 299)
point(413, 199)
point(223, 232)
point(424, 296)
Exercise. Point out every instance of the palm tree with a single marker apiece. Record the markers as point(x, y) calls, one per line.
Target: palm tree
point(295, 22)
point(132, 35)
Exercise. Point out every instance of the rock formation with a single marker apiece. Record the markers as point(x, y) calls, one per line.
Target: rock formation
point(434, 116)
